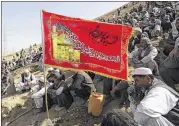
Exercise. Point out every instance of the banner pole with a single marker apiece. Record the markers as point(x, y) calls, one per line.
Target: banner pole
point(45, 85)
point(46, 100)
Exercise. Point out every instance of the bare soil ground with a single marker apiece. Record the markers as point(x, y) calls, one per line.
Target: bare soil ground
point(75, 115)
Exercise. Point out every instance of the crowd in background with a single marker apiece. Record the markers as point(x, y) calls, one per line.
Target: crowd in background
point(154, 53)
point(21, 59)
point(156, 36)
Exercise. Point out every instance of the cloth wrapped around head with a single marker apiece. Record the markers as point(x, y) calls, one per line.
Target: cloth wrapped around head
point(138, 29)
point(144, 34)
point(147, 40)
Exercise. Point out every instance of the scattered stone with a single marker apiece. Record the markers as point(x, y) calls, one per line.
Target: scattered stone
point(59, 121)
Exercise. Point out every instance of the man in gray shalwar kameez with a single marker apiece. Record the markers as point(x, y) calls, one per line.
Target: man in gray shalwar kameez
point(170, 68)
point(144, 56)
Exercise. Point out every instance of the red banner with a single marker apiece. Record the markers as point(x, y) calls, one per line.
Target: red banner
point(79, 44)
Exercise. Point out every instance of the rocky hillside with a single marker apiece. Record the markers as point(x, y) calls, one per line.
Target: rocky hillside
point(123, 10)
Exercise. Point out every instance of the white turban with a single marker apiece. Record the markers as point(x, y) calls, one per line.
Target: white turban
point(26, 71)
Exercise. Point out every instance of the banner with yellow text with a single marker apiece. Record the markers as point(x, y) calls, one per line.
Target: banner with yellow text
point(79, 44)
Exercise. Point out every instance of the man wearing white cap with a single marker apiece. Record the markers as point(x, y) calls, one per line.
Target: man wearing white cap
point(156, 11)
point(26, 81)
point(144, 56)
point(157, 102)
point(134, 22)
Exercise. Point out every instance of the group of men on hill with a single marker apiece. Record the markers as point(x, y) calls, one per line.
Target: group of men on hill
point(21, 59)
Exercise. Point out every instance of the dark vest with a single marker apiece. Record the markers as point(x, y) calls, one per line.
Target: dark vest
point(23, 78)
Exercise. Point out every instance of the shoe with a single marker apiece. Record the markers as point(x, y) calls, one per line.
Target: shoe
point(23, 90)
point(38, 110)
point(57, 108)
point(79, 101)
point(28, 89)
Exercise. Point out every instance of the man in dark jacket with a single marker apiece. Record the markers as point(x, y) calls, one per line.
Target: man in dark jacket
point(60, 93)
point(82, 85)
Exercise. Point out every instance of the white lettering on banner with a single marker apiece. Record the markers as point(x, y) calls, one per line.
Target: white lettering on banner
point(78, 45)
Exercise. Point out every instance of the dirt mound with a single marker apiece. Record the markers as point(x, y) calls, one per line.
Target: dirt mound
point(14, 105)
point(77, 116)
point(32, 67)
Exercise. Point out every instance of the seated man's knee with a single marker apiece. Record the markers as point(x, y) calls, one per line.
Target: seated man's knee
point(162, 71)
point(35, 88)
point(151, 64)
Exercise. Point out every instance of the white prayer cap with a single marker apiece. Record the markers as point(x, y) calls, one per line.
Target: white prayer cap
point(50, 69)
point(145, 34)
point(134, 21)
point(167, 17)
point(41, 79)
point(142, 71)
point(138, 29)
point(168, 8)
point(57, 75)
point(57, 71)
point(26, 71)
